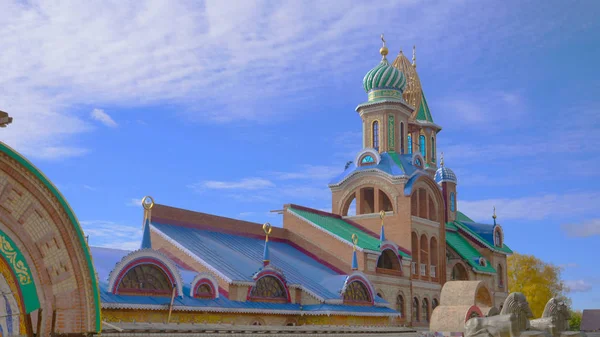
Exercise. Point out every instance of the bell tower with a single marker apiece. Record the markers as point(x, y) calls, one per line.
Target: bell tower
point(385, 115)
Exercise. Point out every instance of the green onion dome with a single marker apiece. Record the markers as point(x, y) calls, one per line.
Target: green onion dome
point(384, 76)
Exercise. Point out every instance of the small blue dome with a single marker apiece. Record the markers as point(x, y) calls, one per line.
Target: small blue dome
point(444, 174)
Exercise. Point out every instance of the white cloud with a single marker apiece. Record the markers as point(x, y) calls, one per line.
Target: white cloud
point(113, 235)
point(310, 172)
point(531, 208)
point(243, 184)
point(101, 116)
point(135, 202)
point(585, 229)
point(569, 265)
point(578, 286)
point(89, 188)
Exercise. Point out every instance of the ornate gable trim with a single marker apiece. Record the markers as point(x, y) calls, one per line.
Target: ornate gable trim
point(204, 278)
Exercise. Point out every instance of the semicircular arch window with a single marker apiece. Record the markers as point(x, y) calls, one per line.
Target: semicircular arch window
point(367, 160)
point(268, 287)
point(145, 279)
point(357, 291)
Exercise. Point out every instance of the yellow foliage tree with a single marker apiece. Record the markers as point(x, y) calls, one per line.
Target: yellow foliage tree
point(537, 280)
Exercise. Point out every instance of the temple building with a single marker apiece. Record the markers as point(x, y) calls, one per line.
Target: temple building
point(394, 236)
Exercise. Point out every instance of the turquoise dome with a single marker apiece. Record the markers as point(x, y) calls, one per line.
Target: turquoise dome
point(384, 76)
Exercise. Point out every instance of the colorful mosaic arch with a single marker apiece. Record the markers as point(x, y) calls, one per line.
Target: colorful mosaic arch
point(22, 272)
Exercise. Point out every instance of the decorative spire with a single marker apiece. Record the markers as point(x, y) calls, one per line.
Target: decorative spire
point(382, 234)
point(266, 256)
point(442, 160)
point(414, 60)
point(383, 51)
point(354, 257)
point(494, 216)
point(147, 203)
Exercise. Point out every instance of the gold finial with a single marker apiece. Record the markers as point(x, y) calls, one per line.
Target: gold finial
point(147, 203)
point(382, 215)
point(442, 160)
point(494, 216)
point(354, 240)
point(267, 228)
point(383, 51)
point(414, 60)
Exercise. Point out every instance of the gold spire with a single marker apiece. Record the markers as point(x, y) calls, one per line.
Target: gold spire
point(494, 216)
point(383, 51)
point(147, 203)
point(414, 60)
point(267, 229)
point(413, 92)
point(442, 160)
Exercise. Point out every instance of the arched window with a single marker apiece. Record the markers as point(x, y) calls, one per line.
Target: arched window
point(367, 160)
point(410, 144)
point(497, 237)
point(459, 273)
point(356, 291)
point(500, 274)
point(452, 202)
point(422, 145)
point(434, 304)
point(432, 149)
point(145, 279)
point(400, 305)
point(388, 260)
point(204, 290)
point(268, 287)
point(376, 135)
point(415, 309)
point(401, 137)
point(425, 310)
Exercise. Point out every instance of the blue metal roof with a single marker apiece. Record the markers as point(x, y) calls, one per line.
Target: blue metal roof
point(105, 260)
point(392, 163)
point(445, 174)
point(239, 258)
point(486, 232)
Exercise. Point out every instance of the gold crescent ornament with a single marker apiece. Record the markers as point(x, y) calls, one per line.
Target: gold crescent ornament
point(354, 239)
point(267, 228)
point(147, 202)
point(382, 215)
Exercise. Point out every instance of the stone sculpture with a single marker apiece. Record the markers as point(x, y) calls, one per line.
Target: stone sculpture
point(513, 319)
point(555, 318)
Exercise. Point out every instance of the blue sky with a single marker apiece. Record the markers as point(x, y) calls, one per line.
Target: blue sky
point(238, 109)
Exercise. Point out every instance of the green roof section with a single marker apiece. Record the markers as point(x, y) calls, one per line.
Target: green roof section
point(424, 114)
point(467, 252)
point(451, 226)
point(396, 160)
point(342, 229)
point(462, 217)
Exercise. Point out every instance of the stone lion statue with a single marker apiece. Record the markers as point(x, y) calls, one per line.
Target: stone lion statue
point(555, 318)
point(513, 319)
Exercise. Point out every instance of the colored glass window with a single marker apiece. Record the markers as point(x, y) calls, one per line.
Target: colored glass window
point(145, 279)
point(268, 287)
point(367, 160)
point(452, 202)
point(418, 163)
point(432, 149)
point(376, 135)
point(497, 238)
point(425, 310)
point(204, 290)
point(356, 291)
point(402, 138)
point(415, 309)
point(422, 145)
point(410, 144)
point(400, 305)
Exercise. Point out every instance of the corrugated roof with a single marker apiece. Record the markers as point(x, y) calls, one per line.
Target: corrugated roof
point(484, 233)
point(341, 228)
point(239, 258)
point(590, 320)
point(467, 252)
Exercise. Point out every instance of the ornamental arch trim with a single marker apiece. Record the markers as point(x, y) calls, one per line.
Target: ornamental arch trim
point(142, 257)
point(39, 221)
point(204, 278)
point(362, 278)
point(371, 182)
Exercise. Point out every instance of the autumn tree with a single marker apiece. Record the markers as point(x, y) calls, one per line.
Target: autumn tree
point(537, 280)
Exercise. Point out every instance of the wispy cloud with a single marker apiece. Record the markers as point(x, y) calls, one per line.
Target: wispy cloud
point(585, 229)
point(111, 234)
point(243, 184)
point(483, 107)
point(134, 202)
point(89, 188)
point(580, 286)
point(309, 172)
point(532, 208)
point(569, 265)
point(101, 116)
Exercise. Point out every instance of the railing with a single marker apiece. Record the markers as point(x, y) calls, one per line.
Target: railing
point(432, 271)
point(423, 269)
point(413, 266)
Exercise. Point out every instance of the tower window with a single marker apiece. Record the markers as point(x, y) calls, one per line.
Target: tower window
point(422, 145)
point(376, 135)
point(410, 145)
point(367, 160)
point(401, 137)
point(432, 149)
point(452, 202)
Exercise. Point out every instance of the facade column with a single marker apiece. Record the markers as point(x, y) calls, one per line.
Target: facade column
point(359, 202)
point(376, 201)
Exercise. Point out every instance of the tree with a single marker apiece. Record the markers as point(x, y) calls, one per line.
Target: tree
point(537, 280)
point(575, 321)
